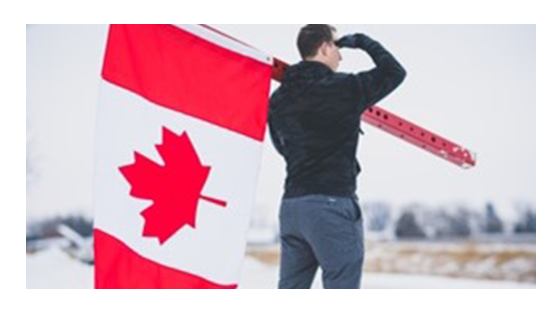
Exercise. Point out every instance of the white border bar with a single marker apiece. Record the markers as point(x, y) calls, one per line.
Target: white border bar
point(227, 43)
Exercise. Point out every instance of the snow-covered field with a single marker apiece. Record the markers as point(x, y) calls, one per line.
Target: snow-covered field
point(54, 268)
point(460, 259)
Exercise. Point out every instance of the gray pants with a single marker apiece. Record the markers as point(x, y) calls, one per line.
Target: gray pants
point(325, 231)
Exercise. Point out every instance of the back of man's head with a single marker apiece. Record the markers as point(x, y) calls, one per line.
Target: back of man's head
point(311, 37)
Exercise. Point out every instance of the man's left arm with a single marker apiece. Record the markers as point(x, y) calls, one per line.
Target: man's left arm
point(380, 81)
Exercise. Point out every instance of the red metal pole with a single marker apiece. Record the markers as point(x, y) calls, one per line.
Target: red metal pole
point(397, 126)
point(405, 130)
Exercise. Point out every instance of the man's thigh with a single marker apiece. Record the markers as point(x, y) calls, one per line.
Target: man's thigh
point(334, 228)
point(298, 264)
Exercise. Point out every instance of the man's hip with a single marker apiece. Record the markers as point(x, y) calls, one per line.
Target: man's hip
point(331, 228)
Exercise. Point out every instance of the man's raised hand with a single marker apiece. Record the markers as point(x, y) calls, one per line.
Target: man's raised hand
point(349, 41)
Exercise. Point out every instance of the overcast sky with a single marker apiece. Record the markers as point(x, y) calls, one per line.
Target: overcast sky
point(475, 85)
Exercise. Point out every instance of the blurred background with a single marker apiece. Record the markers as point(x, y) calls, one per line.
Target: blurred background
point(429, 224)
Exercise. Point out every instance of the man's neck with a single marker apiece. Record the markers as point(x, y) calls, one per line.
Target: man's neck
point(318, 60)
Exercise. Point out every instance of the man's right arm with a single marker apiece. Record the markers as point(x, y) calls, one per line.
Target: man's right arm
point(277, 140)
point(377, 83)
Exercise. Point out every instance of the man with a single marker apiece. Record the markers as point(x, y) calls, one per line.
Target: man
point(314, 124)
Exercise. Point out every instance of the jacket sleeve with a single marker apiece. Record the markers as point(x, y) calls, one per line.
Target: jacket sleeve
point(277, 140)
point(377, 83)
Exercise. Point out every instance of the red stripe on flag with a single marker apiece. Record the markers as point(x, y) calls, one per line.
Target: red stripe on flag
point(183, 72)
point(118, 267)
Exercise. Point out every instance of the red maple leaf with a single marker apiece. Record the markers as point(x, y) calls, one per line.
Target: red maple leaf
point(174, 187)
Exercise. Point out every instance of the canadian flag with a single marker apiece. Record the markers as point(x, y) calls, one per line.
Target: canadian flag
point(180, 128)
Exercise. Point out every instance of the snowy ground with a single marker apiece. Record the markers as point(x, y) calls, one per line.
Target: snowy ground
point(53, 268)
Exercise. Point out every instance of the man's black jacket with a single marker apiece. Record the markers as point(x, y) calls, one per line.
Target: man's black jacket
point(314, 120)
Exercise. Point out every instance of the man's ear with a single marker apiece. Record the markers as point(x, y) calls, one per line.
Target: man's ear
point(323, 49)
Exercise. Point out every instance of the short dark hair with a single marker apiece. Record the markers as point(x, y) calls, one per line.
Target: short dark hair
point(312, 36)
